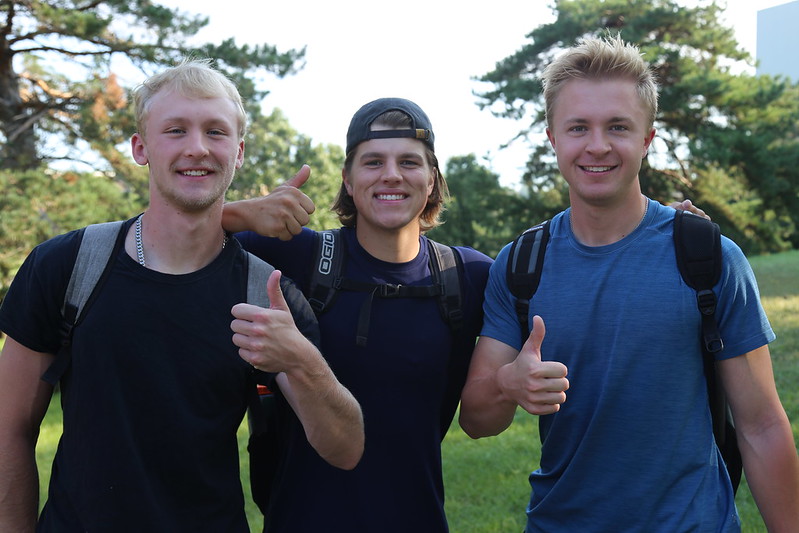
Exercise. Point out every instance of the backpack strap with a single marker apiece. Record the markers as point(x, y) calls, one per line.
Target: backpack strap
point(444, 270)
point(697, 246)
point(326, 281)
point(327, 267)
point(258, 272)
point(525, 263)
point(98, 247)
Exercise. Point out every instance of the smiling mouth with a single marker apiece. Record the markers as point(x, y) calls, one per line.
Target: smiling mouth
point(194, 173)
point(390, 196)
point(597, 169)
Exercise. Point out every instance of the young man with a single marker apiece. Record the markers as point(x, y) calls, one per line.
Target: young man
point(408, 367)
point(632, 449)
point(158, 384)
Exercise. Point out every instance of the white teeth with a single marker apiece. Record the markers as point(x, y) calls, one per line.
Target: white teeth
point(597, 169)
point(390, 196)
point(195, 172)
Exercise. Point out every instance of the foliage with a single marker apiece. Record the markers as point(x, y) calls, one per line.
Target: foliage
point(714, 126)
point(38, 204)
point(59, 91)
point(274, 152)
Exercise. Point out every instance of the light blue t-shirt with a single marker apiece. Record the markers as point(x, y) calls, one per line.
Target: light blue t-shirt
point(632, 448)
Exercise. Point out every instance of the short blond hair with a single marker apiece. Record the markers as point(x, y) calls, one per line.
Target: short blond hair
point(601, 58)
point(195, 78)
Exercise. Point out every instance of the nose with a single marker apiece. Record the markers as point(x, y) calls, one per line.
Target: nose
point(597, 142)
point(391, 170)
point(195, 145)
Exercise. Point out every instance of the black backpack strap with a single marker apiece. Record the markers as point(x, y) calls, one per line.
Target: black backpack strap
point(697, 246)
point(444, 270)
point(326, 273)
point(525, 263)
point(98, 247)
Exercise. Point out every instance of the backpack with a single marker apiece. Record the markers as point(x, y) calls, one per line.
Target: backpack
point(321, 292)
point(697, 245)
point(98, 248)
point(326, 282)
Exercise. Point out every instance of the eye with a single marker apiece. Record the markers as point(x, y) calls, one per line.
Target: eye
point(373, 162)
point(175, 131)
point(411, 163)
point(618, 127)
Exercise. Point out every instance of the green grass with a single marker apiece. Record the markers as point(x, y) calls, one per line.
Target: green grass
point(486, 479)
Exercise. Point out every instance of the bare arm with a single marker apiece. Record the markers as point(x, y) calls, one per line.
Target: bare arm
point(24, 398)
point(765, 438)
point(500, 378)
point(270, 341)
point(281, 213)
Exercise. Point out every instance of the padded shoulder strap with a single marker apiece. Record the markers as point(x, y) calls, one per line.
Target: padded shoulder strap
point(258, 272)
point(327, 268)
point(95, 250)
point(444, 270)
point(697, 245)
point(98, 246)
point(525, 262)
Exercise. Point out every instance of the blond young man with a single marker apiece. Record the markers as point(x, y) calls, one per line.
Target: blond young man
point(165, 361)
point(617, 377)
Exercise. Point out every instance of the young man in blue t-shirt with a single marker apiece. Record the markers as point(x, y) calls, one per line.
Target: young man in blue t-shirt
point(618, 378)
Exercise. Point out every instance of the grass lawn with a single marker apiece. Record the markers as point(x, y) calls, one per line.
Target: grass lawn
point(486, 480)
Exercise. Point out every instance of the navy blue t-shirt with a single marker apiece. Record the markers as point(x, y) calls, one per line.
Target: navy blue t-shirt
point(407, 379)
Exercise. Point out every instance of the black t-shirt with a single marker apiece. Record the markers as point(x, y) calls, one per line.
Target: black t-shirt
point(154, 394)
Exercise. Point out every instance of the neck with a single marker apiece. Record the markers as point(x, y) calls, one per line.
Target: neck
point(177, 243)
point(391, 246)
point(600, 226)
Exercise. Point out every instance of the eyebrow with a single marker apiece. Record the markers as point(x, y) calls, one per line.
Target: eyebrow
point(403, 155)
point(611, 120)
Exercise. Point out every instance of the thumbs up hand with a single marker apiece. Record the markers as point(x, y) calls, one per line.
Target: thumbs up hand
point(282, 213)
point(268, 339)
point(538, 386)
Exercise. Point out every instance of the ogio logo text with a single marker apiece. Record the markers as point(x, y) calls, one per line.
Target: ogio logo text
point(326, 258)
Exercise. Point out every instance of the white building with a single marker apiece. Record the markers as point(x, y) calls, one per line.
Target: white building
point(778, 40)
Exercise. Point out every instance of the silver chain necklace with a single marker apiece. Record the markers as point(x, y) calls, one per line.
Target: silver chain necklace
point(140, 246)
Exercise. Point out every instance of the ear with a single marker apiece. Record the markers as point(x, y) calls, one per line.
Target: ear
point(551, 138)
point(138, 149)
point(647, 141)
point(345, 180)
point(432, 184)
point(240, 155)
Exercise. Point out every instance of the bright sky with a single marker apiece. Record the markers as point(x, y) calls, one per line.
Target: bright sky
point(427, 51)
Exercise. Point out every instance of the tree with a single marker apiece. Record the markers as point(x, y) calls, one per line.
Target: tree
point(37, 205)
point(706, 126)
point(274, 152)
point(480, 212)
point(59, 94)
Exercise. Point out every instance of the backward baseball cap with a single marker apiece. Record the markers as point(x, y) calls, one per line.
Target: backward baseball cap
point(360, 129)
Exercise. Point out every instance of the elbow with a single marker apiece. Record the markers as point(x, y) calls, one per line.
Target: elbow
point(473, 429)
point(347, 454)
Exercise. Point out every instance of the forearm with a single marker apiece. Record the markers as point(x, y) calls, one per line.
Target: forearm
point(772, 472)
point(235, 216)
point(19, 487)
point(485, 411)
point(330, 415)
